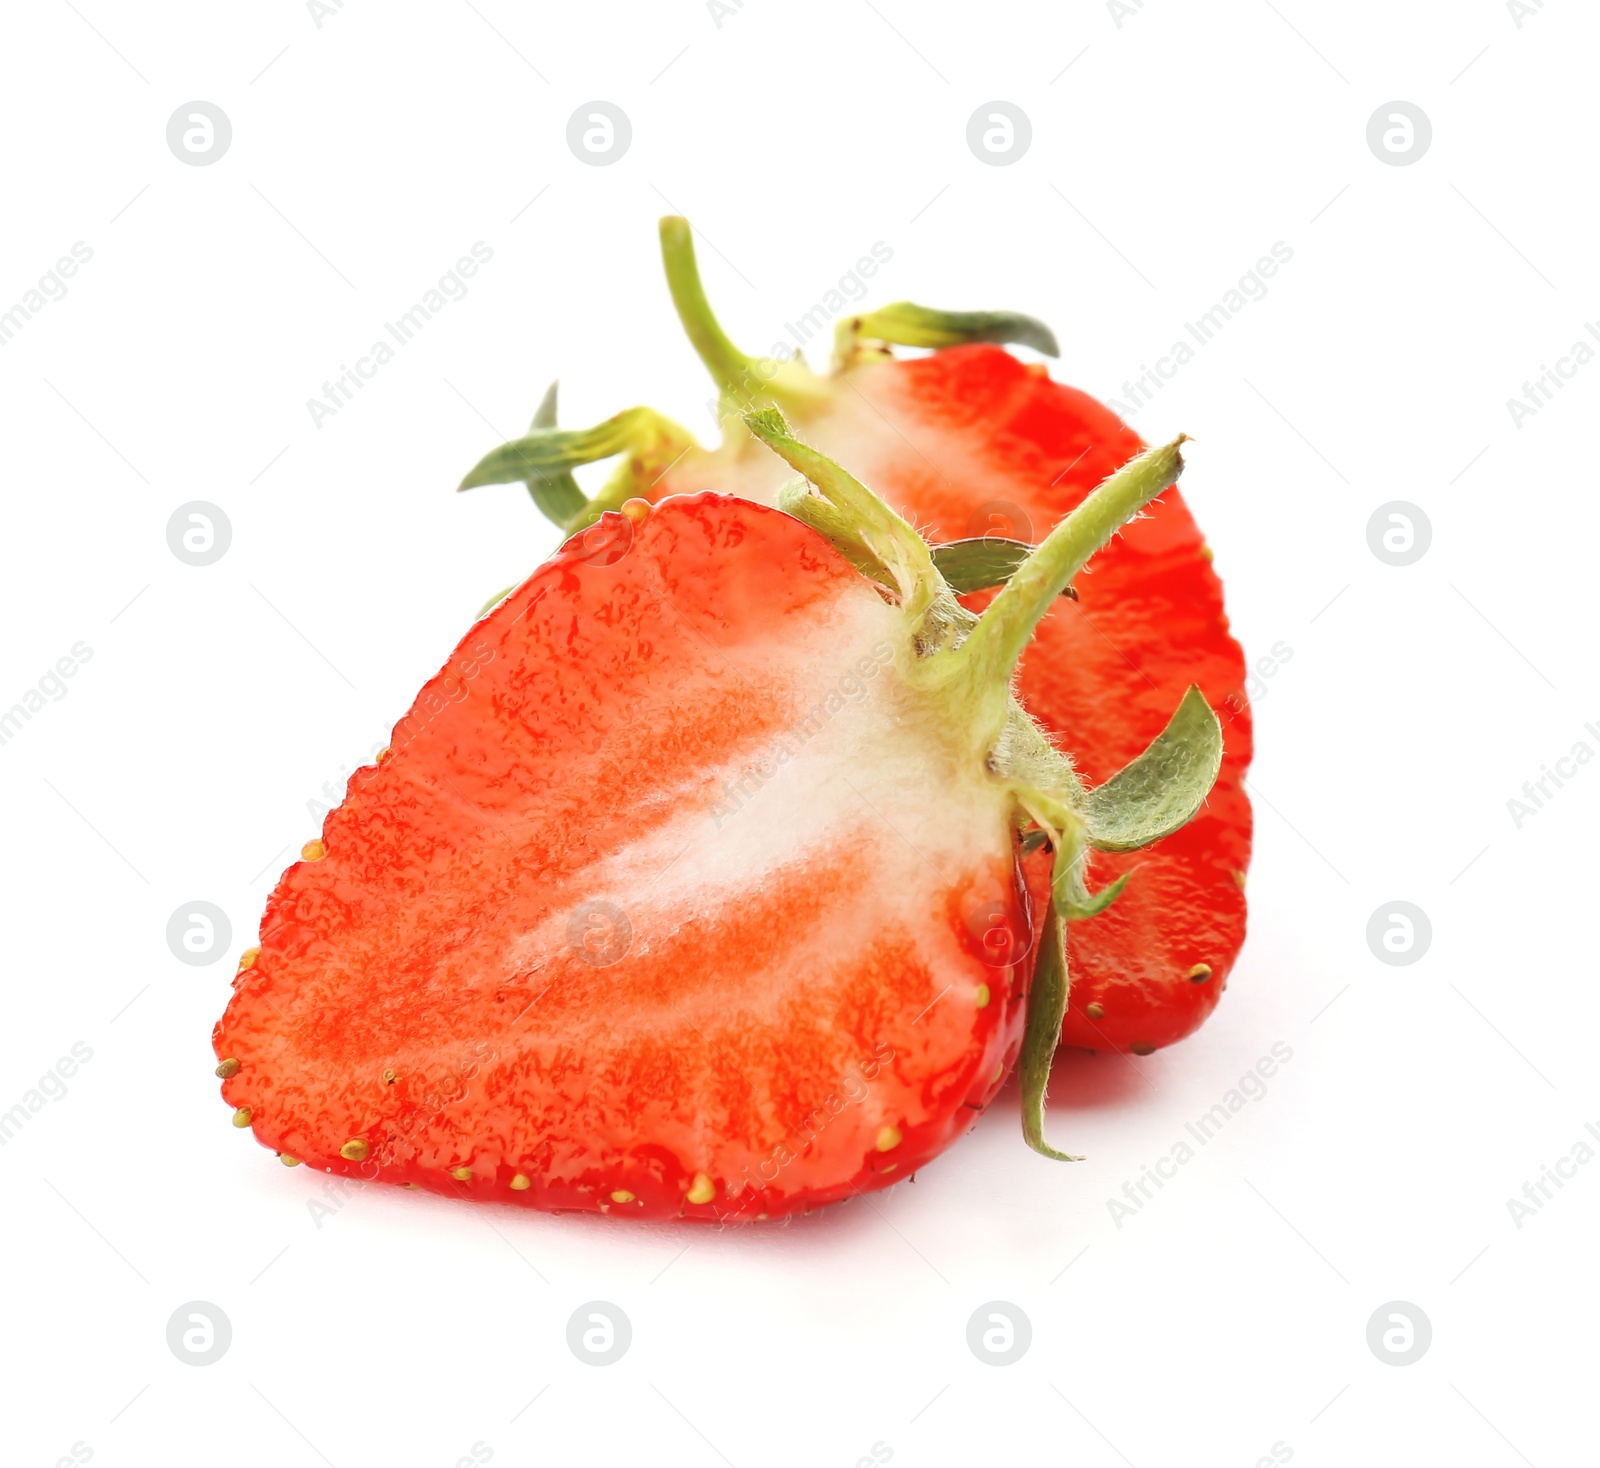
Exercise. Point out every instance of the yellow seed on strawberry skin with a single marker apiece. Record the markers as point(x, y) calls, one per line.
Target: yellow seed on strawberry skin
point(461, 1174)
point(1095, 1010)
point(248, 958)
point(1238, 878)
point(313, 851)
point(1142, 1047)
point(888, 1167)
point(637, 510)
point(228, 1069)
point(622, 1195)
point(381, 755)
point(390, 1076)
point(355, 1150)
point(888, 1138)
point(981, 998)
point(1200, 973)
point(287, 1160)
point(520, 1181)
point(241, 1117)
point(703, 1190)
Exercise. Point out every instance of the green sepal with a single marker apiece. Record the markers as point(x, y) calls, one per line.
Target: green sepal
point(1162, 789)
point(989, 656)
point(1059, 821)
point(1074, 901)
point(544, 452)
point(872, 528)
point(797, 498)
point(557, 495)
point(982, 562)
point(905, 324)
point(1047, 1008)
point(543, 456)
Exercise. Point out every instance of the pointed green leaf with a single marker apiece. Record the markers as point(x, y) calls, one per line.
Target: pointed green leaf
point(1075, 902)
point(542, 457)
point(982, 562)
point(548, 451)
point(1164, 787)
point(544, 416)
point(797, 498)
point(557, 496)
point(906, 324)
point(1047, 1007)
point(1061, 823)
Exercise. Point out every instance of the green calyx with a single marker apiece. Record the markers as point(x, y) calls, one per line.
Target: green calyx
point(982, 562)
point(557, 495)
point(991, 654)
point(745, 382)
point(868, 532)
point(978, 564)
point(1164, 788)
point(545, 456)
point(1047, 1010)
point(543, 459)
point(966, 664)
point(906, 324)
point(755, 382)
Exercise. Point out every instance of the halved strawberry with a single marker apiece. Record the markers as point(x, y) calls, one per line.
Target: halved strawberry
point(690, 885)
point(968, 442)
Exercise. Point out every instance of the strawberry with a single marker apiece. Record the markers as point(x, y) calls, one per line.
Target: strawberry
point(690, 885)
point(969, 441)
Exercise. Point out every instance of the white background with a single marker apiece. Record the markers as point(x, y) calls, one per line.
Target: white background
point(1169, 153)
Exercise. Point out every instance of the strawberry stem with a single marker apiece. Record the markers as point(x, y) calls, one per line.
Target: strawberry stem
point(990, 654)
point(876, 527)
point(799, 499)
point(749, 382)
point(731, 369)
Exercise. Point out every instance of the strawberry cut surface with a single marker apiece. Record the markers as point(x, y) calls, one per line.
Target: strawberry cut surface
point(647, 909)
point(970, 441)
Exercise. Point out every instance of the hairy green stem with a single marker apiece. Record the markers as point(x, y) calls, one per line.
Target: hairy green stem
point(747, 382)
point(732, 370)
point(895, 543)
point(990, 654)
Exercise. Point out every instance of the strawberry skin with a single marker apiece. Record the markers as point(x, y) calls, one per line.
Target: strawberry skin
point(648, 909)
point(942, 436)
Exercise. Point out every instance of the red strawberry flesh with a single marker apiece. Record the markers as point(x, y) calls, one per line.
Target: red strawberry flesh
point(648, 908)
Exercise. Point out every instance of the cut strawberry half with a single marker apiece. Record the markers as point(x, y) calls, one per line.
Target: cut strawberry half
point(968, 443)
point(690, 886)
